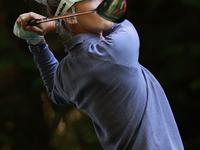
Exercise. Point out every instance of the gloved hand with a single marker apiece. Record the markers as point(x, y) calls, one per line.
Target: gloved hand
point(29, 36)
point(32, 34)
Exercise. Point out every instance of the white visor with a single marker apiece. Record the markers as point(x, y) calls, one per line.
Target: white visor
point(64, 6)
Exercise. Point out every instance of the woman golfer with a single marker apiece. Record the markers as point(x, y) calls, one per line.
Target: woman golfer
point(102, 76)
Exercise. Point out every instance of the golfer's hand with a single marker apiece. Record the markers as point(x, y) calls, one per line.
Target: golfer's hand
point(32, 34)
point(40, 29)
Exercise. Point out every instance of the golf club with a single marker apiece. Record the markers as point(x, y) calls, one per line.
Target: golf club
point(112, 10)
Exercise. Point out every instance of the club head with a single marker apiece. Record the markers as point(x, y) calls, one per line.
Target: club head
point(113, 10)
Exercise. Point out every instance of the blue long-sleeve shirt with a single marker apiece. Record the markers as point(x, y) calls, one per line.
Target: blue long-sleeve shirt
point(102, 76)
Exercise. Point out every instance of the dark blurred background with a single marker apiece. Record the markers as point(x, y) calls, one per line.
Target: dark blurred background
point(169, 31)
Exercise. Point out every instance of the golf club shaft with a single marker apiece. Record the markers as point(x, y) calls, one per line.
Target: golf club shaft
point(38, 21)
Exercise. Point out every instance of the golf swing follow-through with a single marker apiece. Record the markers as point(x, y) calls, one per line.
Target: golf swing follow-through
point(114, 11)
point(100, 73)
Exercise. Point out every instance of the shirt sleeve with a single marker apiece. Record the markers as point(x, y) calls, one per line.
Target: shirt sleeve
point(47, 64)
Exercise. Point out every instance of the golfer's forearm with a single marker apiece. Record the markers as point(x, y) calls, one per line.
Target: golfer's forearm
point(47, 64)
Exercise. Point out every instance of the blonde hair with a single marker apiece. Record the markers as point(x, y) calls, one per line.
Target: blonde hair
point(66, 30)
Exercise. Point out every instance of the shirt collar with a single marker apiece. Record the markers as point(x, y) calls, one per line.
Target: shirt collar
point(85, 39)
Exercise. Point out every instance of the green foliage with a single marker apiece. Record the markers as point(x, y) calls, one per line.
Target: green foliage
point(195, 3)
point(170, 49)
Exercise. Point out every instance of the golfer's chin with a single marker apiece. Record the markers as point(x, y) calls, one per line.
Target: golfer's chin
point(99, 28)
point(108, 25)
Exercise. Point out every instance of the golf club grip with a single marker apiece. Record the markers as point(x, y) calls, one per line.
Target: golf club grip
point(33, 22)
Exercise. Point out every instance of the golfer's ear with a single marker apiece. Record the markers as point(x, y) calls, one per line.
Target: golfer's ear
point(70, 20)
